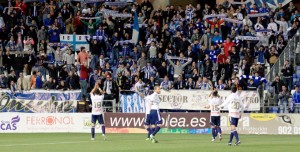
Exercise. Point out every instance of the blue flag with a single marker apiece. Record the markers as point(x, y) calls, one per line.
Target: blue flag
point(135, 30)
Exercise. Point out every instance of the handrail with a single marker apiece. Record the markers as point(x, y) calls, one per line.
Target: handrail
point(278, 64)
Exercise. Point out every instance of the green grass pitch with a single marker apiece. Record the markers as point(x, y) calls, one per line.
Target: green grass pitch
point(76, 142)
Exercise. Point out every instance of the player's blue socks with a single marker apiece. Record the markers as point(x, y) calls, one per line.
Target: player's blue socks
point(152, 130)
point(231, 136)
point(157, 128)
point(236, 135)
point(149, 132)
point(93, 132)
point(103, 129)
point(213, 132)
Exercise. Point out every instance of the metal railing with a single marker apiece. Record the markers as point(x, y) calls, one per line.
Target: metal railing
point(113, 106)
point(289, 53)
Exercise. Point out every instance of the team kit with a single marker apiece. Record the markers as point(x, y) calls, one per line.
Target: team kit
point(153, 119)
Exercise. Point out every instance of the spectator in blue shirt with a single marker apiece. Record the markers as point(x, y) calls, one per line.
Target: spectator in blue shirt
point(296, 100)
point(54, 34)
point(39, 82)
point(47, 21)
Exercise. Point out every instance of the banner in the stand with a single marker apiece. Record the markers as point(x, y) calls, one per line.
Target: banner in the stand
point(39, 101)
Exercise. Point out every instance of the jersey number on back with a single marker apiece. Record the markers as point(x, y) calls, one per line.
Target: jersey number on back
point(97, 104)
point(235, 105)
point(215, 108)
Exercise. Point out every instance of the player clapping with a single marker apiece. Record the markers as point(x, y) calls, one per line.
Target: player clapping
point(97, 97)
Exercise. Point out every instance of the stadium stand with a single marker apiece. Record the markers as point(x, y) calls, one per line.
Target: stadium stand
point(206, 46)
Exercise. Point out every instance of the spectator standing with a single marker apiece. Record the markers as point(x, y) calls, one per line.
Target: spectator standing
point(287, 72)
point(84, 75)
point(296, 100)
point(283, 100)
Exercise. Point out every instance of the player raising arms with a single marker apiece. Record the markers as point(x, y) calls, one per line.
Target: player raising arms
point(214, 103)
point(235, 106)
point(147, 113)
point(155, 118)
point(97, 97)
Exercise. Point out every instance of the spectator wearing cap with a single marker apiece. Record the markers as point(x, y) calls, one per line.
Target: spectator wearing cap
point(296, 100)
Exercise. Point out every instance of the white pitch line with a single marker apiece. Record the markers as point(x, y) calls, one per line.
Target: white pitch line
point(54, 143)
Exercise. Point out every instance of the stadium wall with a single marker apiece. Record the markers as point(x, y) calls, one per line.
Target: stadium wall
point(181, 123)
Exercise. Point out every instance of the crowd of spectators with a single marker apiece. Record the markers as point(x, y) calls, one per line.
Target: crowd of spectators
point(178, 47)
